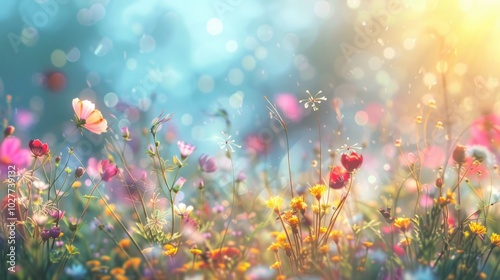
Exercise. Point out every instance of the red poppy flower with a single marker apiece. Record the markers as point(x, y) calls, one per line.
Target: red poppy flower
point(338, 177)
point(351, 162)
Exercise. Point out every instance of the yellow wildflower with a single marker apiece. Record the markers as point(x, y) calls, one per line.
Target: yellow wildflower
point(293, 221)
point(336, 235)
point(243, 267)
point(275, 203)
point(273, 247)
point(336, 259)
point(169, 250)
point(443, 201)
point(125, 243)
point(117, 271)
point(477, 228)
point(195, 251)
point(405, 242)
point(275, 265)
point(367, 244)
point(324, 249)
point(318, 190)
point(93, 263)
point(132, 264)
point(402, 223)
point(297, 204)
point(495, 239)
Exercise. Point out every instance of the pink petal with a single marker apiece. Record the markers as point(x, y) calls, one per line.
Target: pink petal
point(10, 146)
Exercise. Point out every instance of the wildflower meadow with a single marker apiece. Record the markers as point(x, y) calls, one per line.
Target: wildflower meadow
point(314, 175)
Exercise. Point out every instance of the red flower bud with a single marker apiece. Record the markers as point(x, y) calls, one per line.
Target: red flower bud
point(459, 154)
point(338, 177)
point(8, 131)
point(351, 162)
point(38, 148)
point(439, 183)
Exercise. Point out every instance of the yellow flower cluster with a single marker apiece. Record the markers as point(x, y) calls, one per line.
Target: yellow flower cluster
point(297, 204)
point(443, 201)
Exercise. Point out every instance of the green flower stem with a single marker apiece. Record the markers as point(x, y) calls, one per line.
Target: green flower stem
point(85, 210)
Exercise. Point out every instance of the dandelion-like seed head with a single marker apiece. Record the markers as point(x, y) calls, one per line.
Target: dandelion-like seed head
point(481, 154)
point(227, 144)
point(313, 100)
point(348, 148)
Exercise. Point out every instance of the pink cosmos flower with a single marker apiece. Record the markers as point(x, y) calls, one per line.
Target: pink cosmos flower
point(11, 154)
point(207, 164)
point(289, 104)
point(89, 117)
point(107, 170)
point(185, 149)
point(257, 144)
point(485, 131)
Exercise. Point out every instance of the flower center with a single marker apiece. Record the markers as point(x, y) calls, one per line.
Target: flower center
point(5, 160)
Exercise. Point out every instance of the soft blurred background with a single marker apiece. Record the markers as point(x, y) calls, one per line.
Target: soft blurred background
point(379, 61)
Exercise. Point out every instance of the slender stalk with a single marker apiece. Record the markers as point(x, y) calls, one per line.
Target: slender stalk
point(127, 232)
point(485, 261)
point(320, 151)
point(289, 165)
point(459, 210)
point(232, 207)
point(85, 209)
point(336, 214)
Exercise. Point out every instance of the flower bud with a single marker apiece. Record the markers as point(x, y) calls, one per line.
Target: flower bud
point(439, 183)
point(8, 131)
point(200, 184)
point(45, 234)
point(79, 172)
point(55, 232)
point(125, 133)
point(459, 154)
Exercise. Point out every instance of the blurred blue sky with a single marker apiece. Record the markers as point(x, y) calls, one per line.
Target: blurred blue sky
point(189, 58)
